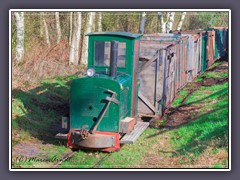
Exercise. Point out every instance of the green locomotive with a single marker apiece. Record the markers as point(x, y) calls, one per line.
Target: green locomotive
point(103, 104)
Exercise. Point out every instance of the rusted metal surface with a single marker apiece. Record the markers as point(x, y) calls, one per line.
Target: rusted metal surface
point(109, 99)
point(94, 141)
point(193, 55)
point(210, 47)
point(61, 136)
point(102, 141)
point(134, 88)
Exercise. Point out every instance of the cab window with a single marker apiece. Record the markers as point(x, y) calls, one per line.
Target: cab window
point(102, 53)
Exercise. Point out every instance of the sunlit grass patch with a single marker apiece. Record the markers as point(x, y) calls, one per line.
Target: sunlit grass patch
point(215, 75)
point(209, 124)
point(180, 97)
point(208, 93)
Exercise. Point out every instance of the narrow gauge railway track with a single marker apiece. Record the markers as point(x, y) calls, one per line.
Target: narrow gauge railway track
point(70, 155)
point(101, 160)
point(139, 128)
point(64, 158)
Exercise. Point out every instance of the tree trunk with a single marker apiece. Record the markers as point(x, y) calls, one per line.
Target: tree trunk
point(162, 22)
point(41, 26)
point(58, 27)
point(181, 21)
point(128, 23)
point(46, 30)
point(170, 22)
point(20, 36)
point(75, 42)
point(143, 23)
point(70, 27)
point(99, 22)
point(93, 20)
point(88, 29)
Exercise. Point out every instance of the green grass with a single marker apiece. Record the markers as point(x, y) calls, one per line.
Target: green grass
point(215, 75)
point(128, 156)
point(35, 112)
point(215, 64)
point(218, 166)
point(206, 135)
point(209, 127)
point(197, 135)
point(181, 96)
point(198, 79)
point(206, 94)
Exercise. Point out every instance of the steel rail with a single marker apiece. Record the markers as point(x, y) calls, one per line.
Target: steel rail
point(70, 155)
point(66, 157)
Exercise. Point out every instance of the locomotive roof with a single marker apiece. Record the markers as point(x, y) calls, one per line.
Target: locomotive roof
point(122, 34)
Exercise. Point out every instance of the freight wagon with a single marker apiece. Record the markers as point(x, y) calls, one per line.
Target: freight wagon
point(130, 76)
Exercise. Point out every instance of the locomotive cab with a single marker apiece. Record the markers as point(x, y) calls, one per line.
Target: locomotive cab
point(103, 104)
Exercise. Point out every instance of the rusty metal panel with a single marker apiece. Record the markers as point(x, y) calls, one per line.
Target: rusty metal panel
point(193, 55)
point(200, 56)
point(171, 75)
point(94, 141)
point(134, 83)
point(190, 57)
point(199, 53)
point(210, 48)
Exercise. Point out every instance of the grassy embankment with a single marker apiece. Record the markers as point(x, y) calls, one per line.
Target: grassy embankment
point(193, 133)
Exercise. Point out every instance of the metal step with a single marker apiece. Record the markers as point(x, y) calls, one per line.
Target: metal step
point(61, 136)
point(138, 130)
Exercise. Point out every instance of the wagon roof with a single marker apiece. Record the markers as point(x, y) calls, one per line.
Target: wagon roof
point(122, 34)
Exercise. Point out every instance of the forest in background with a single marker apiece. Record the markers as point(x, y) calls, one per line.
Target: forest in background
point(49, 44)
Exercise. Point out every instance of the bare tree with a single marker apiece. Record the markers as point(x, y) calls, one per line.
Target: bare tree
point(70, 27)
point(41, 26)
point(46, 30)
point(58, 27)
point(170, 22)
point(163, 23)
point(75, 42)
point(143, 22)
point(99, 22)
point(181, 21)
point(94, 18)
point(84, 58)
point(20, 36)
